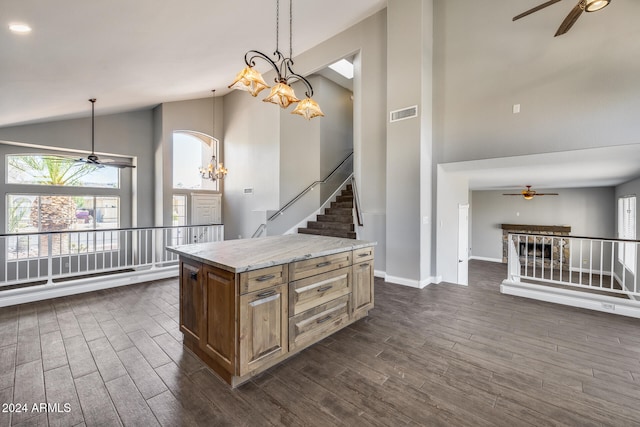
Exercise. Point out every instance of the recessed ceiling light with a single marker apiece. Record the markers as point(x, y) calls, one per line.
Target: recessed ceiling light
point(343, 67)
point(20, 28)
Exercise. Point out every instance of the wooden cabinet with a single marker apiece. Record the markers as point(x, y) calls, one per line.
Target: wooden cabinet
point(242, 323)
point(263, 327)
point(191, 300)
point(219, 331)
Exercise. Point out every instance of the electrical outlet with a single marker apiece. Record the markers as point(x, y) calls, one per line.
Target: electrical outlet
point(608, 306)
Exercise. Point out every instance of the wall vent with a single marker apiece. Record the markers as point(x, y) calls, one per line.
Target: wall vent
point(248, 191)
point(403, 114)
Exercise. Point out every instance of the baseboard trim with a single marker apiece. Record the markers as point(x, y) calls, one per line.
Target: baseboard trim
point(483, 258)
point(72, 287)
point(419, 284)
point(604, 303)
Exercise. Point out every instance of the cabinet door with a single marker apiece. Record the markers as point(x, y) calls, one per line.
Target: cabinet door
point(218, 338)
point(263, 327)
point(191, 302)
point(362, 286)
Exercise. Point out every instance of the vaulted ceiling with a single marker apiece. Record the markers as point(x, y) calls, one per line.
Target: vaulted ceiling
point(137, 54)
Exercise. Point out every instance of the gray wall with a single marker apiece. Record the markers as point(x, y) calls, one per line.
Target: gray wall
point(252, 133)
point(576, 91)
point(252, 155)
point(195, 115)
point(409, 142)
point(591, 212)
point(127, 134)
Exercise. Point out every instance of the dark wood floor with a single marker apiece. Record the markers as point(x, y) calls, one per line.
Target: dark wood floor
point(446, 355)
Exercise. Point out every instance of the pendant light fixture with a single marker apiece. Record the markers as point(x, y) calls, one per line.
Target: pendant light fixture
point(214, 170)
point(282, 94)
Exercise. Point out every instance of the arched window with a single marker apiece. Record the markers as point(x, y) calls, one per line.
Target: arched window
point(191, 152)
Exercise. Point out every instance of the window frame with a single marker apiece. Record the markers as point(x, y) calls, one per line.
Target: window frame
point(626, 230)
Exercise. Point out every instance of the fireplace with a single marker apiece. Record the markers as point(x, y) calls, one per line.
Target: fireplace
point(540, 250)
point(545, 245)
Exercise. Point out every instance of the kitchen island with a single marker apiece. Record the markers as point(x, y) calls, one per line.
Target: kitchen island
point(248, 304)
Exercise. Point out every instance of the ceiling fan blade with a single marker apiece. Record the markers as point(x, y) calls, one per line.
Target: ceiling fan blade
point(547, 194)
point(535, 9)
point(116, 164)
point(571, 19)
point(511, 194)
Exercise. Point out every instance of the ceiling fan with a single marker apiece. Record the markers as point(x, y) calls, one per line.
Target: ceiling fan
point(92, 159)
point(572, 17)
point(529, 194)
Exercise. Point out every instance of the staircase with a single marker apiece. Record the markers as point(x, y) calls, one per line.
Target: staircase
point(337, 220)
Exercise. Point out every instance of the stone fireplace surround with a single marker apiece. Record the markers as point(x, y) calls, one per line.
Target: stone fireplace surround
point(557, 245)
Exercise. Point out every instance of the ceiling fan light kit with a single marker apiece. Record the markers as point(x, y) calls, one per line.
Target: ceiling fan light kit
point(529, 194)
point(574, 14)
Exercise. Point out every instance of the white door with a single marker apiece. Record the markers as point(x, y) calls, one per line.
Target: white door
point(206, 209)
point(463, 244)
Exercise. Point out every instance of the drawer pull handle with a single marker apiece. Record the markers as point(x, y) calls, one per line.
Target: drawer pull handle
point(265, 278)
point(323, 264)
point(325, 288)
point(363, 255)
point(366, 264)
point(194, 275)
point(266, 294)
point(324, 319)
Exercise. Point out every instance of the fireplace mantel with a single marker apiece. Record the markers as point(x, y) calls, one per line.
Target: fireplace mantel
point(522, 228)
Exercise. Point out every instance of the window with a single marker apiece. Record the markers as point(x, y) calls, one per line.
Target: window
point(191, 152)
point(28, 213)
point(627, 230)
point(179, 209)
point(47, 170)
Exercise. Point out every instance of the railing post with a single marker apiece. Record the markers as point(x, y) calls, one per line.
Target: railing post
point(153, 248)
point(50, 259)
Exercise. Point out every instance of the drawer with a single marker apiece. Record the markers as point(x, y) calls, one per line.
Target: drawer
point(315, 290)
point(256, 280)
point(313, 325)
point(310, 267)
point(363, 254)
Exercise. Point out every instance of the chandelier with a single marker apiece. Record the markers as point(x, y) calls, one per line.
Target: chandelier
point(282, 94)
point(213, 170)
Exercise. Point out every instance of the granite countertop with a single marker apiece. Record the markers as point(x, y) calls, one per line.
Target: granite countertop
point(242, 255)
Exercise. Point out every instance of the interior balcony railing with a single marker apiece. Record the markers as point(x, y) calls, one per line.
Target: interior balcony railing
point(586, 272)
point(36, 266)
point(311, 200)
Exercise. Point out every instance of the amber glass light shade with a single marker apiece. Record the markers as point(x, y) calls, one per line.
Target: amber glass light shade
point(308, 108)
point(595, 5)
point(221, 171)
point(249, 80)
point(282, 94)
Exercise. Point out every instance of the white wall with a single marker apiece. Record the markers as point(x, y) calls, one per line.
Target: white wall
point(591, 212)
point(453, 191)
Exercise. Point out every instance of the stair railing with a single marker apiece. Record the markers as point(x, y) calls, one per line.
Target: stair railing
point(300, 195)
point(356, 201)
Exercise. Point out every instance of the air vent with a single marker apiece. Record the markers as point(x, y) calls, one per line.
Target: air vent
point(403, 114)
point(248, 191)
